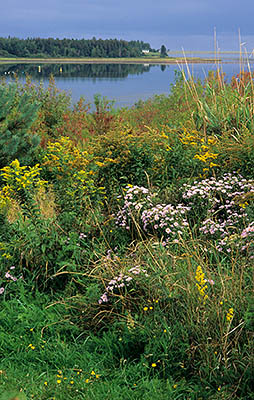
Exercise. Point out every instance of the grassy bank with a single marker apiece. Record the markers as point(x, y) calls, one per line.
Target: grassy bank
point(126, 244)
point(140, 60)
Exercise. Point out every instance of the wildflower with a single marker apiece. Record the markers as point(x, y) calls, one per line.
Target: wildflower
point(201, 283)
point(230, 314)
point(71, 382)
point(46, 383)
point(154, 365)
point(58, 381)
point(145, 308)
point(93, 373)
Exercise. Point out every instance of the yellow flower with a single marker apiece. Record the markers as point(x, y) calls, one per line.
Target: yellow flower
point(87, 380)
point(92, 373)
point(46, 383)
point(58, 381)
point(154, 365)
point(71, 382)
point(145, 308)
point(230, 314)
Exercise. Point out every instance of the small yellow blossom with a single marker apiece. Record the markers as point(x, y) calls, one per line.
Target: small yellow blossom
point(46, 383)
point(71, 382)
point(58, 381)
point(154, 365)
point(145, 308)
point(230, 314)
point(92, 373)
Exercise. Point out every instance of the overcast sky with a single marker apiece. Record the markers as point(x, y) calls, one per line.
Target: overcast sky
point(187, 24)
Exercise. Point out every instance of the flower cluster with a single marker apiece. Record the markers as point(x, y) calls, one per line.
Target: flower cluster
point(17, 178)
point(201, 284)
point(166, 220)
point(64, 157)
point(225, 212)
point(120, 282)
point(136, 199)
point(203, 147)
point(8, 277)
point(230, 314)
point(247, 240)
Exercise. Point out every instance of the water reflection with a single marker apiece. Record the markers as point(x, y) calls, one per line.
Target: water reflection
point(75, 70)
point(126, 84)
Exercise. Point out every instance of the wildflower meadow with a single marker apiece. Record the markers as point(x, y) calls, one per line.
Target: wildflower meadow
point(127, 243)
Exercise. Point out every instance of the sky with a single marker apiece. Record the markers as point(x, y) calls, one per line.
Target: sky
point(178, 24)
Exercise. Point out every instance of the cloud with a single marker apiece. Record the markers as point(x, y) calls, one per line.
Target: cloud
point(173, 20)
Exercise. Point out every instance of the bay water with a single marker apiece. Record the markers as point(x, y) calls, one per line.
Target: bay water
point(125, 84)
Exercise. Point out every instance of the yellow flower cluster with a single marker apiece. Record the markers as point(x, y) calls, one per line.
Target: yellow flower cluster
point(18, 178)
point(201, 284)
point(5, 196)
point(230, 314)
point(65, 157)
point(203, 146)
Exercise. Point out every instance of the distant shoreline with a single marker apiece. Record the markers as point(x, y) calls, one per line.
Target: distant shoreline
point(175, 60)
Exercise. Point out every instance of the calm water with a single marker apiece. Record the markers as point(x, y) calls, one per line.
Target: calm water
point(124, 83)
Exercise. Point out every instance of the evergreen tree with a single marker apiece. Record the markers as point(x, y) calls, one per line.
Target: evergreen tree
point(163, 51)
point(17, 113)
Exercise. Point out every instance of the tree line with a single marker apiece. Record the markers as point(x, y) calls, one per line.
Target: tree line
point(40, 47)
